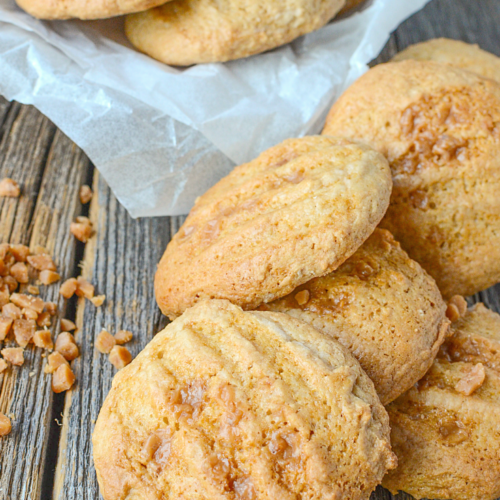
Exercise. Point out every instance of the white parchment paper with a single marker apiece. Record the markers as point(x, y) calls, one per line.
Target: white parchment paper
point(160, 135)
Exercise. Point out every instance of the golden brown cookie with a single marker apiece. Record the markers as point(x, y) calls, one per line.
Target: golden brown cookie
point(226, 404)
point(456, 53)
point(84, 9)
point(296, 212)
point(445, 430)
point(383, 307)
point(351, 4)
point(184, 32)
point(439, 127)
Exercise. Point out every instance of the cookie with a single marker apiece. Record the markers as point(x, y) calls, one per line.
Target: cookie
point(184, 32)
point(351, 4)
point(445, 431)
point(439, 127)
point(456, 53)
point(241, 405)
point(296, 212)
point(383, 307)
point(83, 9)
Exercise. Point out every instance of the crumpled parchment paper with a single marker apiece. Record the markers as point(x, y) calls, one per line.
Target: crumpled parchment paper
point(161, 136)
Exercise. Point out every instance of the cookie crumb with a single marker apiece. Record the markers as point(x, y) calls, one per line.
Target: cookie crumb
point(120, 357)
point(9, 188)
point(85, 194)
point(105, 342)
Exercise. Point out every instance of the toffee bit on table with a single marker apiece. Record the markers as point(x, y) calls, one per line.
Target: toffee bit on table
point(9, 188)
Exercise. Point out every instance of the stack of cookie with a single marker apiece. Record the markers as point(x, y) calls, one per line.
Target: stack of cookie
point(306, 292)
point(185, 32)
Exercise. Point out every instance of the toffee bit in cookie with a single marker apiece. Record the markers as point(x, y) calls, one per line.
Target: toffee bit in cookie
point(5, 425)
point(9, 188)
point(67, 325)
point(43, 339)
point(63, 379)
point(457, 307)
point(24, 329)
point(123, 336)
point(19, 271)
point(302, 297)
point(472, 380)
point(54, 361)
point(66, 345)
point(48, 277)
point(84, 288)
point(120, 357)
point(3, 365)
point(85, 194)
point(68, 288)
point(14, 355)
point(81, 229)
point(105, 342)
point(5, 325)
point(98, 300)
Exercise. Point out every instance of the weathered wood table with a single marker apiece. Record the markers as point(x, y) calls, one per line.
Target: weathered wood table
point(48, 454)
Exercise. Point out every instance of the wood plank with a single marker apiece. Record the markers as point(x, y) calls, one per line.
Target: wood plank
point(121, 261)
point(50, 169)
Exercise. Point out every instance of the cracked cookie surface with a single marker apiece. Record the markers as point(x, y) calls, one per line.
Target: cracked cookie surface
point(227, 404)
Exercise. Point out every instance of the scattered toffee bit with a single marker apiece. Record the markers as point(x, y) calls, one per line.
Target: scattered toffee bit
point(67, 325)
point(66, 345)
point(9, 188)
point(54, 361)
point(68, 288)
point(63, 379)
point(84, 288)
point(48, 277)
point(123, 336)
point(85, 194)
point(82, 229)
point(14, 355)
point(3, 365)
point(43, 339)
point(5, 425)
point(120, 357)
point(105, 342)
point(98, 300)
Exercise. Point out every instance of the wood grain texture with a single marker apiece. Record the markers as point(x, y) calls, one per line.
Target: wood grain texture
point(55, 462)
point(49, 169)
